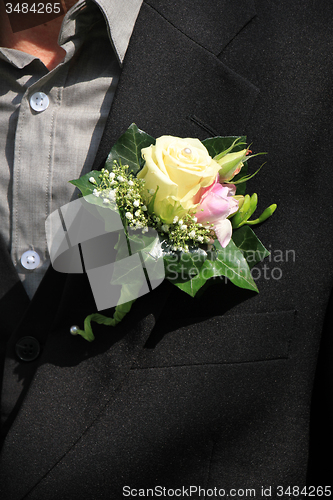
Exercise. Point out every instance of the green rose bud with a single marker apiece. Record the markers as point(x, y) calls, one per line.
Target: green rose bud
point(231, 164)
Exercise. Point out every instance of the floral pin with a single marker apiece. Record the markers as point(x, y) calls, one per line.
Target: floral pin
point(191, 194)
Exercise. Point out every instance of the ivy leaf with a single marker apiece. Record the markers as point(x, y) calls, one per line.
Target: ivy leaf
point(250, 245)
point(86, 188)
point(182, 266)
point(192, 286)
point(83, 183)
point(127, 149)
point(229, 262)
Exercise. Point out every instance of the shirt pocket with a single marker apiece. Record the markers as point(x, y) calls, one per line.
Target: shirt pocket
point(224, 339)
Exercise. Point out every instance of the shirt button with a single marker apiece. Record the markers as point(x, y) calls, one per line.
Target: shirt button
point(39, 101)
point(30, 259)
point(27, 348)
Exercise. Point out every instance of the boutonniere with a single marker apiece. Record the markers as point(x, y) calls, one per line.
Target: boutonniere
point(183, 213)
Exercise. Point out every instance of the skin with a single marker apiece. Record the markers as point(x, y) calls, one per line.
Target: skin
point(40, 41)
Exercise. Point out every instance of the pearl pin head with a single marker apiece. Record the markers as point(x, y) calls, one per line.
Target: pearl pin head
point(187, 151)
point(74, 329)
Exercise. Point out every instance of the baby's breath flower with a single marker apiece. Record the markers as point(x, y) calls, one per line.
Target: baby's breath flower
point(92, 180)
point(151, 191)
point(122, 187)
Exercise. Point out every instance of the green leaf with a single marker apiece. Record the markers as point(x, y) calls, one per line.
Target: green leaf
point(229, 262)
point(109, 213)
point(83, 183)
point(250, 245)
point(133, 274)
point(127, 149)
point(141, 241)
point(182, 266)
point(127, 273)
point(219, 144)
point(192, 286)
point(232, 264)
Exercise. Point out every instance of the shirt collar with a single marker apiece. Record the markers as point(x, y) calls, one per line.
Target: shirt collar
point(119, 15)
point(16, 57)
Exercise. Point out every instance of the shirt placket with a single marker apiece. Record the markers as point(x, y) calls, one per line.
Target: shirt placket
point(32, 172)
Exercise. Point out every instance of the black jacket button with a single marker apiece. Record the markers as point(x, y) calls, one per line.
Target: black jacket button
point(27, 348)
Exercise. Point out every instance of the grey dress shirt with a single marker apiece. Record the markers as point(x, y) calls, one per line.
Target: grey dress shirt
point(43, 150)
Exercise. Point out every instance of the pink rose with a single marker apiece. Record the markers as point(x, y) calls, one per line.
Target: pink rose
point(215, 205)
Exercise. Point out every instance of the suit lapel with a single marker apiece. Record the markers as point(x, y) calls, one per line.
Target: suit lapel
point(172, 81)
point(211, 24)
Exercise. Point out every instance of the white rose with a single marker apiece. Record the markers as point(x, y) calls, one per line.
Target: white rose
point(180, 169)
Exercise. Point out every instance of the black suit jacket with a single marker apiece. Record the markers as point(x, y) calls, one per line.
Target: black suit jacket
point(213, 391)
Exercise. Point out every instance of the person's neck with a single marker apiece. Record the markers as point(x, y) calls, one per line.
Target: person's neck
point(40, 41)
